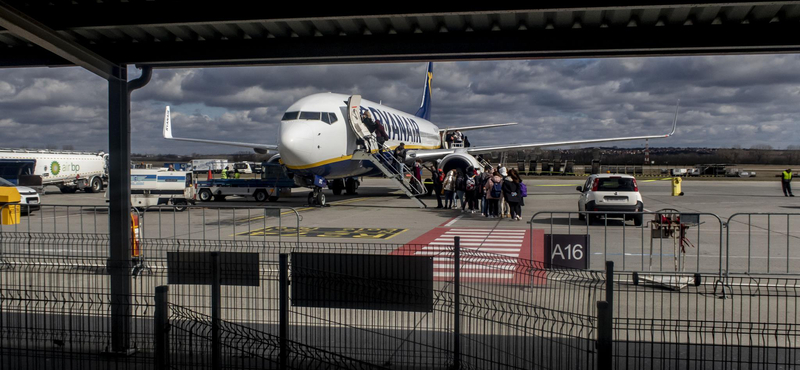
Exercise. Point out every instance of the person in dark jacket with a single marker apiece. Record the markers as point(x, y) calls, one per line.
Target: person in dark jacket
point(380, 133)
point(437, 175)
point(471, 191)
point(512, 195)
point(461, 186)
point(400, 156)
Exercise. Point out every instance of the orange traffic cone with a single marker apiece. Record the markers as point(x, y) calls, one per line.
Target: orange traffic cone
point(210, 176)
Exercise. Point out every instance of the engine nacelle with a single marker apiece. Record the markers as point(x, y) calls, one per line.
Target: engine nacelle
point(459, 160)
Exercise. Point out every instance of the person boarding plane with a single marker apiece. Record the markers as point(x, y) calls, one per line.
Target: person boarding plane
point(323, 142)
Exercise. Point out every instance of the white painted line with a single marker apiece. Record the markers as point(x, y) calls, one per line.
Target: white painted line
point(442, 253)
point(492, 250)
point(501, 240)
point(499, 236)
point(492, 261)
point(491, 230)
point(479, 244)
point(444, 266)
point(475, 275)
point(453, 221)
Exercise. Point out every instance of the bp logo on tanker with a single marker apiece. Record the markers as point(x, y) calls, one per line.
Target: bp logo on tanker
point(55, 168)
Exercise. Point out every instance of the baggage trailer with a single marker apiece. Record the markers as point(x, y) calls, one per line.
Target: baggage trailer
point(269, 187)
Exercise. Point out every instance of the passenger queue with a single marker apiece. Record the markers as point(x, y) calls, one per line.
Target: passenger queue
point(494, 193)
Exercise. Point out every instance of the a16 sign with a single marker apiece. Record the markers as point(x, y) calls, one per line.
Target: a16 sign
point(566, 251)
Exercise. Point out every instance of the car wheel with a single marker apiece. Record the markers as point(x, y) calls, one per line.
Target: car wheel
point(205, 195)
point(180, 205)
point(68, 189)
point(638, 220)
point(260, 195)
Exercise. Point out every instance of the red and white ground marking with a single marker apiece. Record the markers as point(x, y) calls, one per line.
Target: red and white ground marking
point(499, 264)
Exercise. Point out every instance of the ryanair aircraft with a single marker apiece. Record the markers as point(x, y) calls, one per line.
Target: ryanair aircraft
point(321, 138)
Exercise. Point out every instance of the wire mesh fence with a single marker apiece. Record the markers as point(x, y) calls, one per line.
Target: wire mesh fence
point(55, 305)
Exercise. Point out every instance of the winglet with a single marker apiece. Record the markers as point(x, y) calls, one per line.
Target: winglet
point(167, 125)
point(675, 121)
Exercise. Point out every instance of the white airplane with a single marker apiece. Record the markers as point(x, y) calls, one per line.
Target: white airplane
point(321, 139)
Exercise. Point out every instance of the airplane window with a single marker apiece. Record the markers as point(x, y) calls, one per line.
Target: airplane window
point(289, 116)
point(325, 118)
point(310, 115)
point(333, 117)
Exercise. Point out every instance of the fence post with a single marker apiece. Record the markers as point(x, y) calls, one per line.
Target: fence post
point(605, 336)
point(161, 327)
point(284, 310)
point(216, 312)
point(457, 303)
point(610, 284)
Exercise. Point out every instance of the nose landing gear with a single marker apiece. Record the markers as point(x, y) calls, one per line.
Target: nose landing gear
point(316, 197)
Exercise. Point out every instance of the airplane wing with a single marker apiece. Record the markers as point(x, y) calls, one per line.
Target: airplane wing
point(259, 148)
point(478, 127)
point(434, 154)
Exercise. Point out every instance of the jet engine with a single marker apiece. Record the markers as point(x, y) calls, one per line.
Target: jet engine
point(459, 160)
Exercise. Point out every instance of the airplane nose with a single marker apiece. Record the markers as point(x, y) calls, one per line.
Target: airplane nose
point(295, 144)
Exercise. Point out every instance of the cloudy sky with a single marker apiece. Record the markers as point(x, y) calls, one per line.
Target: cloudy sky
point(725, 101)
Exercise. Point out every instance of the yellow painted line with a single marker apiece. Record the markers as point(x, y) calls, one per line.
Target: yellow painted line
point(338, 202)
point(346, 201)
point(404, 230)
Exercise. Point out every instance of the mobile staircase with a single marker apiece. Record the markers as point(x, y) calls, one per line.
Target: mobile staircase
point(381, 156)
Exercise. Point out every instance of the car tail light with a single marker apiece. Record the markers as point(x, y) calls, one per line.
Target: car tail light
point(595, 184)
point(635, 186)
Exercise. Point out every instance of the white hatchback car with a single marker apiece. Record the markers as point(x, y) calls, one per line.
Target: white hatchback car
point(611, 193)
point(29, 198)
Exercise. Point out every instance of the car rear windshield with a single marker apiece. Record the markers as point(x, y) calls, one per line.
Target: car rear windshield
point(616, 184)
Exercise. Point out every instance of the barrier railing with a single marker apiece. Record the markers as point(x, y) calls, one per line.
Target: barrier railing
point(666, 240)
point(764, 243)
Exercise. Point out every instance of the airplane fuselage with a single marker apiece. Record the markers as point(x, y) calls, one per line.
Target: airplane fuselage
point(310, 144)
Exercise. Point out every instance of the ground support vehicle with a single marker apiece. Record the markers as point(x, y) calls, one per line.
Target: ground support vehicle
point(69, 170)
point(269, 187)
point(205, 165)
point(162, 187)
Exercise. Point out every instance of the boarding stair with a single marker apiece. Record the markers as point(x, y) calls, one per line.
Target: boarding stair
point(384, 160)
point(381, 156)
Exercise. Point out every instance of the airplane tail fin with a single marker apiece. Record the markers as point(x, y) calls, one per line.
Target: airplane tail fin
point(167, 125)
point(424, 111)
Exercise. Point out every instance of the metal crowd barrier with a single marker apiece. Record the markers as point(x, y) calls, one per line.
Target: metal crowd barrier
point(682, 242)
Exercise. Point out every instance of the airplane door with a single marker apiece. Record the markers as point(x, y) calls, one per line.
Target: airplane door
point(354, 117)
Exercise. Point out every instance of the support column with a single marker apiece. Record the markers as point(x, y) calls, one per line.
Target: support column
point(119, 210)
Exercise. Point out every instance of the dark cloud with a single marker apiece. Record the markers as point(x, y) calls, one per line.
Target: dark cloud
point(725, 101)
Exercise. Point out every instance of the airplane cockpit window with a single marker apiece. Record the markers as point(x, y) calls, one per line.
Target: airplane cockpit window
point(329, 117)
point(315, 116)
point(289, 116)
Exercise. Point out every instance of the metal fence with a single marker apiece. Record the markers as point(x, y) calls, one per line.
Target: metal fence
point(674, 241)
point(55, 300)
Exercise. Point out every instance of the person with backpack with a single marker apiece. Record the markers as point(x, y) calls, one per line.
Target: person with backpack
point(461, 187)
point(449, 188)
point(471, 189)
point(494, 191)
point(504, 209)
point(513, 195)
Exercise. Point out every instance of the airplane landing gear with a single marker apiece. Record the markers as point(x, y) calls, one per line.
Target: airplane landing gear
point(351, 184)
point(316, 197)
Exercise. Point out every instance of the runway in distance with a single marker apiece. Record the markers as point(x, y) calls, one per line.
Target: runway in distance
point(317, 139)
